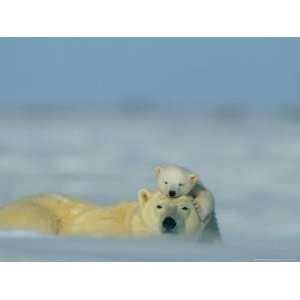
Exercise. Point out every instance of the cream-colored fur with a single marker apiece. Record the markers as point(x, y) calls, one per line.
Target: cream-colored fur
point(66, 215)
point(46, 213)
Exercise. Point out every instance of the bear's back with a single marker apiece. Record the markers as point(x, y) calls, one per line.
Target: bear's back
point(47, 212)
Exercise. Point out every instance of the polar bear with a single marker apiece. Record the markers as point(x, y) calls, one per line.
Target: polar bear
point(175, 181)
point(153, 214)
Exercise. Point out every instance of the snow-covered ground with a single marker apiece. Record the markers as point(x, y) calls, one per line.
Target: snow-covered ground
point(249, 161)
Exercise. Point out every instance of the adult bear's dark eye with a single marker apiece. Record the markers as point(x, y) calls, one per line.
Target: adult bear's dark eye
point(185, 208)
point(180, 184)
point(159, 206)
point(166, 182)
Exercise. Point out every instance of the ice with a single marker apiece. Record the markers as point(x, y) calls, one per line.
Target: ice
point(250, 163)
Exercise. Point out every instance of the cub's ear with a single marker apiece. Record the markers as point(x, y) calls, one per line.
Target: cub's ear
point(194, 178)
point(143, 196)
point(157, 170)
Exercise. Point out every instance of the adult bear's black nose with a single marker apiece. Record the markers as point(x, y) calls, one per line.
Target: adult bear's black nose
point(172, 193)
point(169, 223)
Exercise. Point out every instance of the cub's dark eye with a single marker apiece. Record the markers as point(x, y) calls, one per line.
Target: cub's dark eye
point(185, 208)
point(158, 206)
point(180, 184)
point(166, 182)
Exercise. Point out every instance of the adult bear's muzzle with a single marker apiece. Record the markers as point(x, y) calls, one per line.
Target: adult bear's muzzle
point(168, 224)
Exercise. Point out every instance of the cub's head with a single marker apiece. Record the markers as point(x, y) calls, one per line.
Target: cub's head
point(174, 181)
point(162, 215)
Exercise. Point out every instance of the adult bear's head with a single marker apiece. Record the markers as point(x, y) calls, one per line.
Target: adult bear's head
point(162, 215)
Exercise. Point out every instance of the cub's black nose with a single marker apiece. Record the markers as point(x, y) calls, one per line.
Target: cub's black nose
point(169, 223)
point(172, 193)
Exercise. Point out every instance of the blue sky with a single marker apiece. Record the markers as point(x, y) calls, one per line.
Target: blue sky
point(217, 70)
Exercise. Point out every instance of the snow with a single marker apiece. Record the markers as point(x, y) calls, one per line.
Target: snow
point(250, 162)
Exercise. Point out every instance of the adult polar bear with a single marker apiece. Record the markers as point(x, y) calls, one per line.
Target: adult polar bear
point(152, 214)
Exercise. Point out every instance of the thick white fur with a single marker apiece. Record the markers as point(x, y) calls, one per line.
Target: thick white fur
point(184, 182)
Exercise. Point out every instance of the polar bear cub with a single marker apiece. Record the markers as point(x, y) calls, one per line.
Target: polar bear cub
point(175, 181)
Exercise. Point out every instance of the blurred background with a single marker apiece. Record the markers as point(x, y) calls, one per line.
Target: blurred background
point(92, 116)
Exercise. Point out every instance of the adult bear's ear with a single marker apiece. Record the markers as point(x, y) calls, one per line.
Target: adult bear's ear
point(157, 170)
point(194, 178)
point(143, 196)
